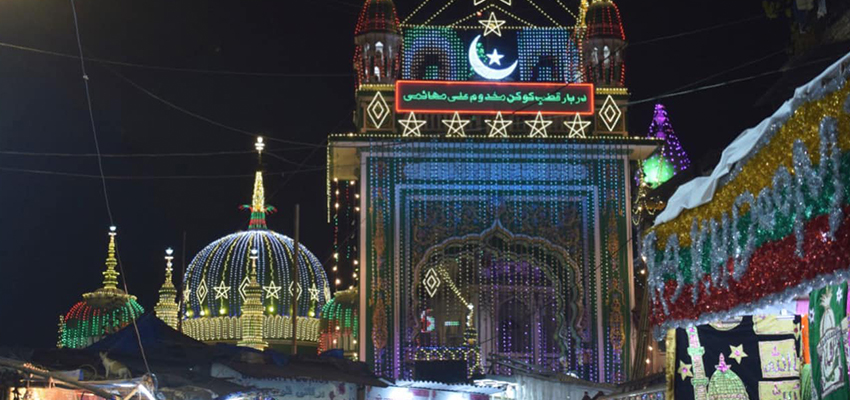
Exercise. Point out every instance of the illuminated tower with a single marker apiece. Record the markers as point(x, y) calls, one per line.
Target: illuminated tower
point(377, 51)
point(166, 309)
point(378, 40)
point(603, 45)
point(252, 309)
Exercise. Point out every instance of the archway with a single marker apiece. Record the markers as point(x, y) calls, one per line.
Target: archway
point(522, 294)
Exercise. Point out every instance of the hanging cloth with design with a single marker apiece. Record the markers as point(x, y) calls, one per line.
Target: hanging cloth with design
point(827, 308)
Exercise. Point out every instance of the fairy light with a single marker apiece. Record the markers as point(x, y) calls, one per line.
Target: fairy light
point(101, 312)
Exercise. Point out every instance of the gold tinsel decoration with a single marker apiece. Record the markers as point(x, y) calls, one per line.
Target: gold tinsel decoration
point(760, 169)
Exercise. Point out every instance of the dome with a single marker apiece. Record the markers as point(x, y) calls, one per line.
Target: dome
point(377, 16)
point(217, 275)
point(217, 282)
point(603, 20)
point(339, 322)
point(101, 312)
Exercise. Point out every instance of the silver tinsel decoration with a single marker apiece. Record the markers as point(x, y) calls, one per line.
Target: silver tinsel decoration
point(789, 196)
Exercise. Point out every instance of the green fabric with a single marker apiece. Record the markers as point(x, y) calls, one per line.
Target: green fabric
point(827, 307)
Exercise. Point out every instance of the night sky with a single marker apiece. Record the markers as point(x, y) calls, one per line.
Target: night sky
point(53, 228)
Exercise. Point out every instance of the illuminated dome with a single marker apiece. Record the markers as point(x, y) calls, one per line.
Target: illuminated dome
point(340, 323)
point(603, 20)
point(101, 312)
point(219, 284)
point(377, 16)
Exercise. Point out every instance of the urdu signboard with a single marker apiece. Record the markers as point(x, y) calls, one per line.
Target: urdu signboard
point(442, 97)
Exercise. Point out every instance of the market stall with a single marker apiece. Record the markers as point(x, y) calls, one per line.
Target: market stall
point(769, 226)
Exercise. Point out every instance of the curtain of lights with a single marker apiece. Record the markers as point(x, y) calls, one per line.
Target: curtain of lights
point(523, 241)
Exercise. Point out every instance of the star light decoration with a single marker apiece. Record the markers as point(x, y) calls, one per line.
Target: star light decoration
point(577, 127)
point(456, 126)
point(492, 25)
point(498, 126)
point(538, 126)
point(221, 291)
point(495, 57)
point(685, 370)
point(187, 294)
point(477, 2)
point(737, 352)
point(272, 290)
point(412, 125)
point(314, 293)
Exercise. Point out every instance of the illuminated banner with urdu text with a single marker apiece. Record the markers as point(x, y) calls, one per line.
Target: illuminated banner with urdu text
point(442, 97)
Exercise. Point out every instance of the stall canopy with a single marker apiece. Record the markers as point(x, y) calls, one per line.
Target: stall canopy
point(771, 221)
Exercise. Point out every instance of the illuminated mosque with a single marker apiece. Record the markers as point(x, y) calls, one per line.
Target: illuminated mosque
point(482, 208)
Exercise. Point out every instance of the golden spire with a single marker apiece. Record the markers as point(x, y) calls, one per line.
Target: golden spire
point(258, 202)
point(110, 276)
point(166, 309)
point(258, 205)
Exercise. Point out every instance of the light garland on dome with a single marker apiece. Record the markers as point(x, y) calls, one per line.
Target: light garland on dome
point(275, 327)
point(101, 312)
point(767, 234)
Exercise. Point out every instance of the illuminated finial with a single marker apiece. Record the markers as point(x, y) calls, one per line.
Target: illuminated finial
point(110, 276)
point(168, 258)
point(259, 145)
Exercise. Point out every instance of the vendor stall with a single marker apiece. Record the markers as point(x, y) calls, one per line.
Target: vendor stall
point(768, 226)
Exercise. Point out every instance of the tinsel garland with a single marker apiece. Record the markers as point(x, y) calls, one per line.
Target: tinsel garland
point(726, 266)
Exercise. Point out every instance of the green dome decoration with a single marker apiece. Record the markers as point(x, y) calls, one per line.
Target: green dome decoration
point(101, 312)
point(339, 322)
point(725, 384)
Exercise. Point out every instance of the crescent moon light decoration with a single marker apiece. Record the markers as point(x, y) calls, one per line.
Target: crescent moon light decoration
point(483, 70)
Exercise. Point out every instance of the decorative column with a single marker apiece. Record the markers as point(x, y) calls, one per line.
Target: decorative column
point(252, 311)
point(166, 309)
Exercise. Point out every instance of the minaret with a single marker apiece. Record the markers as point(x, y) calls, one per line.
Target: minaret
point(604, 44)
point(378, 39)
point(252, 310)
point(166, 309)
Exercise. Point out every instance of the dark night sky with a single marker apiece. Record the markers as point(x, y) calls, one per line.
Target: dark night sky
point(53, 228)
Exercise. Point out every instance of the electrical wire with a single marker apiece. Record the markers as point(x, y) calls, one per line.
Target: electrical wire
point(146, 177)
point(730, 82)
point(102, 175)
point(177, 69)
point(201, 117)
